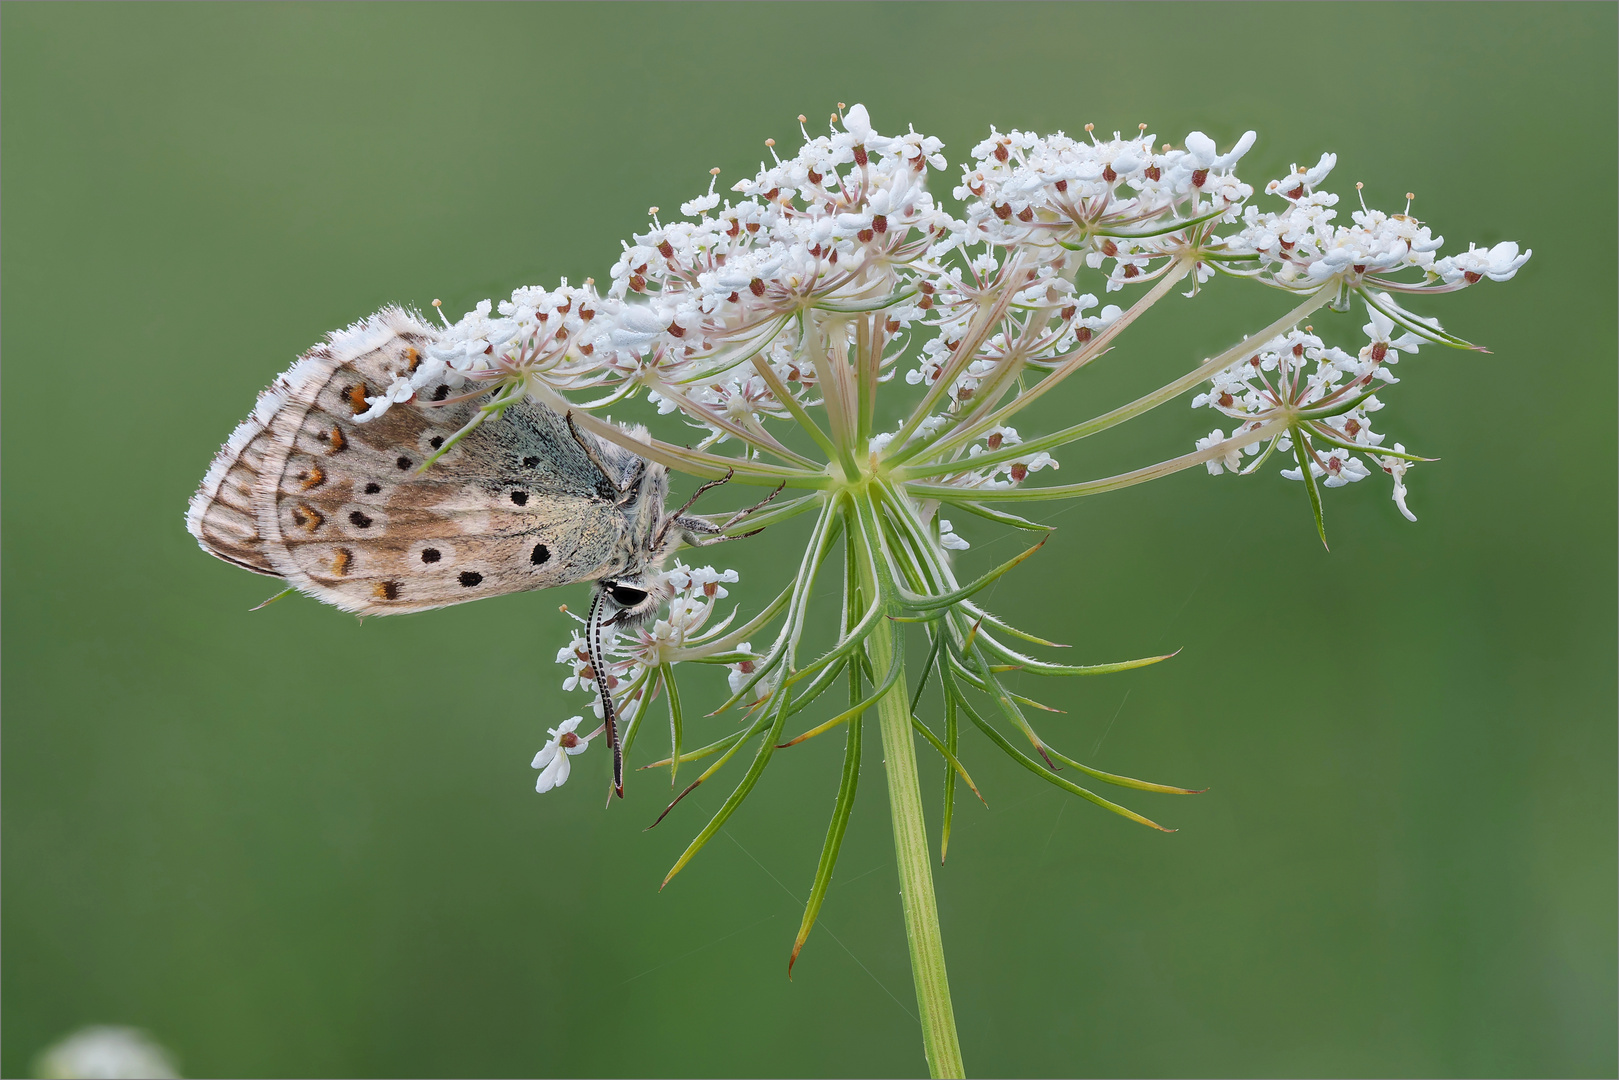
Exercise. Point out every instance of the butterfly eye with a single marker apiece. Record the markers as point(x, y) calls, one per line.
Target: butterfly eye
point(627, 596)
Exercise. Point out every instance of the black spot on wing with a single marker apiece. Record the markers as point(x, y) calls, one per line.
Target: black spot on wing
point(469, 578)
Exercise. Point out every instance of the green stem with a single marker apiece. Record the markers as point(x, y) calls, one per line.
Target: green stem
point(939, 1039)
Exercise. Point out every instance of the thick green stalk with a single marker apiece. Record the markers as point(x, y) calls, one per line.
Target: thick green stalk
point(911, 852)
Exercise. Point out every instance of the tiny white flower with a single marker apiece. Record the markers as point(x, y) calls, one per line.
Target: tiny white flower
point(948, 538)
point(553, 758)
point(399, 391)
point(1230, 461)
point(1396, 467)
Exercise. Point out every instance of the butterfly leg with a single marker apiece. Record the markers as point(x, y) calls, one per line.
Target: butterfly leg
point(685, 524)
point(624, 484)
point(700, 533)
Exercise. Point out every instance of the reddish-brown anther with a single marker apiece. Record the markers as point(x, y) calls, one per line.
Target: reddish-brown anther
point(1109, 248)
point(1153, 172)
point(1003, 211)
point(587, 313)
point(1199, 176)
point(562, 333)
point(587, 349)
point(1352, 427)
point(1108, 174)
point(995, 440)
point(925, 303)
point(1360, 268)
point(1296, 193)
point(1131, 271)
point(1069, 311)
point(1061, 185)
point(1379, 350)
point(1287, 245)
point(1226, 401)
point(568, 739)
point(757, 287)
point(892, 326)
point(879, 223)
point(733, 298)
point(1020, 471)
point(637, 283)
point(772, 193)
point(753, 226)
point(1026, 214)
point(1082, 335)
point(666, 249)
point(865, 236)
point(676, 329)
point(1298, 350)
point(814, 177)
point(735, 227)
point(963, 393)
point(926, 287)
point(746, 667)
point(1472, 278)
point(860, 156)
point(1001, 153)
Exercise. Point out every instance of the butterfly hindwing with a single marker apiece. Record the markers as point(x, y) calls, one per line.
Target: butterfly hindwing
point(341, 509)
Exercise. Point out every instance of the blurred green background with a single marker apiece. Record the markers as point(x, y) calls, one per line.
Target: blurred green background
point(290, 844)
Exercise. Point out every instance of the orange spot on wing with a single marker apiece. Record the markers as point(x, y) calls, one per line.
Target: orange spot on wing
point(337, 440)
point(342, 561)
point(412, 357)
point(356, 396)
point(307, 518)
point(311, 477)
point(387, 590)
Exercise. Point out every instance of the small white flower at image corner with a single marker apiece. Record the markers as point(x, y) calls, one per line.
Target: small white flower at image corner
point(553, 758)
point(106, 1052)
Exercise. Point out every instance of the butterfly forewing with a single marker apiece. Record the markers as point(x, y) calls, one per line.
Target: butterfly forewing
point(341, 509)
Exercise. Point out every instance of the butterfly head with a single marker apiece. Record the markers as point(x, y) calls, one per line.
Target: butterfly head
point(631, 600)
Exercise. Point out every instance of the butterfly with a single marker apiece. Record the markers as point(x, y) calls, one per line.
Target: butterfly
point(318, 489)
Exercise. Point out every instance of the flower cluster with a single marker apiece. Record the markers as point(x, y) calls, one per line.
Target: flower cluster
point(1300, 389)
point(639, 659)
point(773, 316)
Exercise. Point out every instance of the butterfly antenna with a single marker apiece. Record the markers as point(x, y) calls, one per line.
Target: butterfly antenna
point(593, 647)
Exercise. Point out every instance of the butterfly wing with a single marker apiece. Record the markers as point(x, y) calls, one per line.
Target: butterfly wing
point(337, 507)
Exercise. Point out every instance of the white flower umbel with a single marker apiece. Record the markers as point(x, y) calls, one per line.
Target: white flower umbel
point(772, 315)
